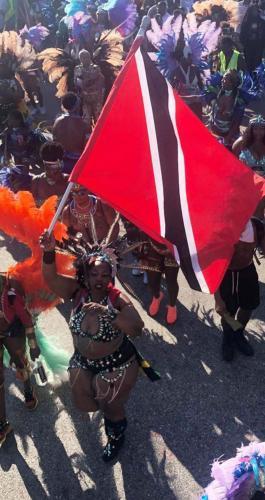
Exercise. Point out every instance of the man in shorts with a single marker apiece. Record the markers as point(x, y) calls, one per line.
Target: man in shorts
point(238, 294)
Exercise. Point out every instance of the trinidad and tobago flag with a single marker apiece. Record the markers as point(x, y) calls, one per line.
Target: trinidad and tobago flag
point(153, 160)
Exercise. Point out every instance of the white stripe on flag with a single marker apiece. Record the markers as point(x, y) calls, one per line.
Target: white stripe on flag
point(183, 196)
point(152, 139)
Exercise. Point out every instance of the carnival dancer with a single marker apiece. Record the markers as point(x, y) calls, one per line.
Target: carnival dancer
point(104, 367)
point(158, 260)
point(89, 216)
point(89, 83)
point(250, 147)
point(21, 143)
point(16, 55)
point(16, 325)
point(70, 131)
point(238, 294)
point(52, 181)
point(155, 259)
point(227, 109)
point(106, 59)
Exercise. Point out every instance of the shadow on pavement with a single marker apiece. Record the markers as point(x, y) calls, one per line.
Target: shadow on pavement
point(201, 409)
point(10, 456)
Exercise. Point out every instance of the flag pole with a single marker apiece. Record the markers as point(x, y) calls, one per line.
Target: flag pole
point(60, 207)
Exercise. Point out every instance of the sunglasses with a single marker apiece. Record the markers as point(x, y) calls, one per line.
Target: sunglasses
point(81, 192)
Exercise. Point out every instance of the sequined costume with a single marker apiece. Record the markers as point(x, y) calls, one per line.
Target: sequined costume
point(15, 324)
point(257, 164)
point(117, 361)
point(90, 85)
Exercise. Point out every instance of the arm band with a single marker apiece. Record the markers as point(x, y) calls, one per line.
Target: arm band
point(49, 257)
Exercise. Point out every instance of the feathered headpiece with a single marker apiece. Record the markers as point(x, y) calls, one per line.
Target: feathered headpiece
point(87, 253)
point(79, 25)
point(238, 477)
point(170, 28)
point(74, 6)
point(35, 35)
point(122, 15)
point(199, 41)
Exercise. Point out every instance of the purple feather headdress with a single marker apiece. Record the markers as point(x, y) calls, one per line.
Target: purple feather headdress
point(122, 15)
point(79, 24)
point(35, 35)
point(239, 477)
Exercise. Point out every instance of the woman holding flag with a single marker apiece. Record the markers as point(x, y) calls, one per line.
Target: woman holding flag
point(105, 364)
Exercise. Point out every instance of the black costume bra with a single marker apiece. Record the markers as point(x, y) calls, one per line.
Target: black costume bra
point(106, 332)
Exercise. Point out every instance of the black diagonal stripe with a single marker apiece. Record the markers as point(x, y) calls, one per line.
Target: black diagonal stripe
point(168, 153)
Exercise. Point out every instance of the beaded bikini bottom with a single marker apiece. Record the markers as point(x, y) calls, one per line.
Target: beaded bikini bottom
point(111, 363)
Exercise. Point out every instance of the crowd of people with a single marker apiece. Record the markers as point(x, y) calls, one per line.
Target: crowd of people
point(211, 52)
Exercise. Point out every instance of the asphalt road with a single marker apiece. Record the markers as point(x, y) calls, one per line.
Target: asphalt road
point(201, 409)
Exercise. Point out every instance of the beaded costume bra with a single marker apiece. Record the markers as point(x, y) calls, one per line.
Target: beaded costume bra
point(106, 332)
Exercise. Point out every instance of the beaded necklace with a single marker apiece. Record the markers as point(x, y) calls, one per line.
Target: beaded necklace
point(83, 218)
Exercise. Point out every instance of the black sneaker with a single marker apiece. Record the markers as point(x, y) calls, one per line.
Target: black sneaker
point(31, 401)
point(228, 348)
point(242, 344)
point(112, 448)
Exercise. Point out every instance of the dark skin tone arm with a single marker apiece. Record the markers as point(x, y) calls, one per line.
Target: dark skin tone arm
point(62, 286)
point(110, 215)
point(237, 146)
point(128, 319)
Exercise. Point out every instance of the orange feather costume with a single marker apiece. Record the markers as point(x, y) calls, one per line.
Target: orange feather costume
point(21, 219)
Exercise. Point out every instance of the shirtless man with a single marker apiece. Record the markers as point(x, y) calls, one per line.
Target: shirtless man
point(52, 181)
point(70, 131)
point(15, 326)
point(238, 294)
point(89, 216)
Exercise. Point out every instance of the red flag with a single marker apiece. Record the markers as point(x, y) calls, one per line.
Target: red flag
point(153, 160)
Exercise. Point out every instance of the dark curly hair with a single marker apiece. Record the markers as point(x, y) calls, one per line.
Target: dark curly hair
point(248, 137)
point(51, 151)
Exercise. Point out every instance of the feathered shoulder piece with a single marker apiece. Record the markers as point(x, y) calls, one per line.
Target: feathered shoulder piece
point(239, 477)
point(59, 66)
point(109, 53)
point(16, 53)
point(22, 220)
